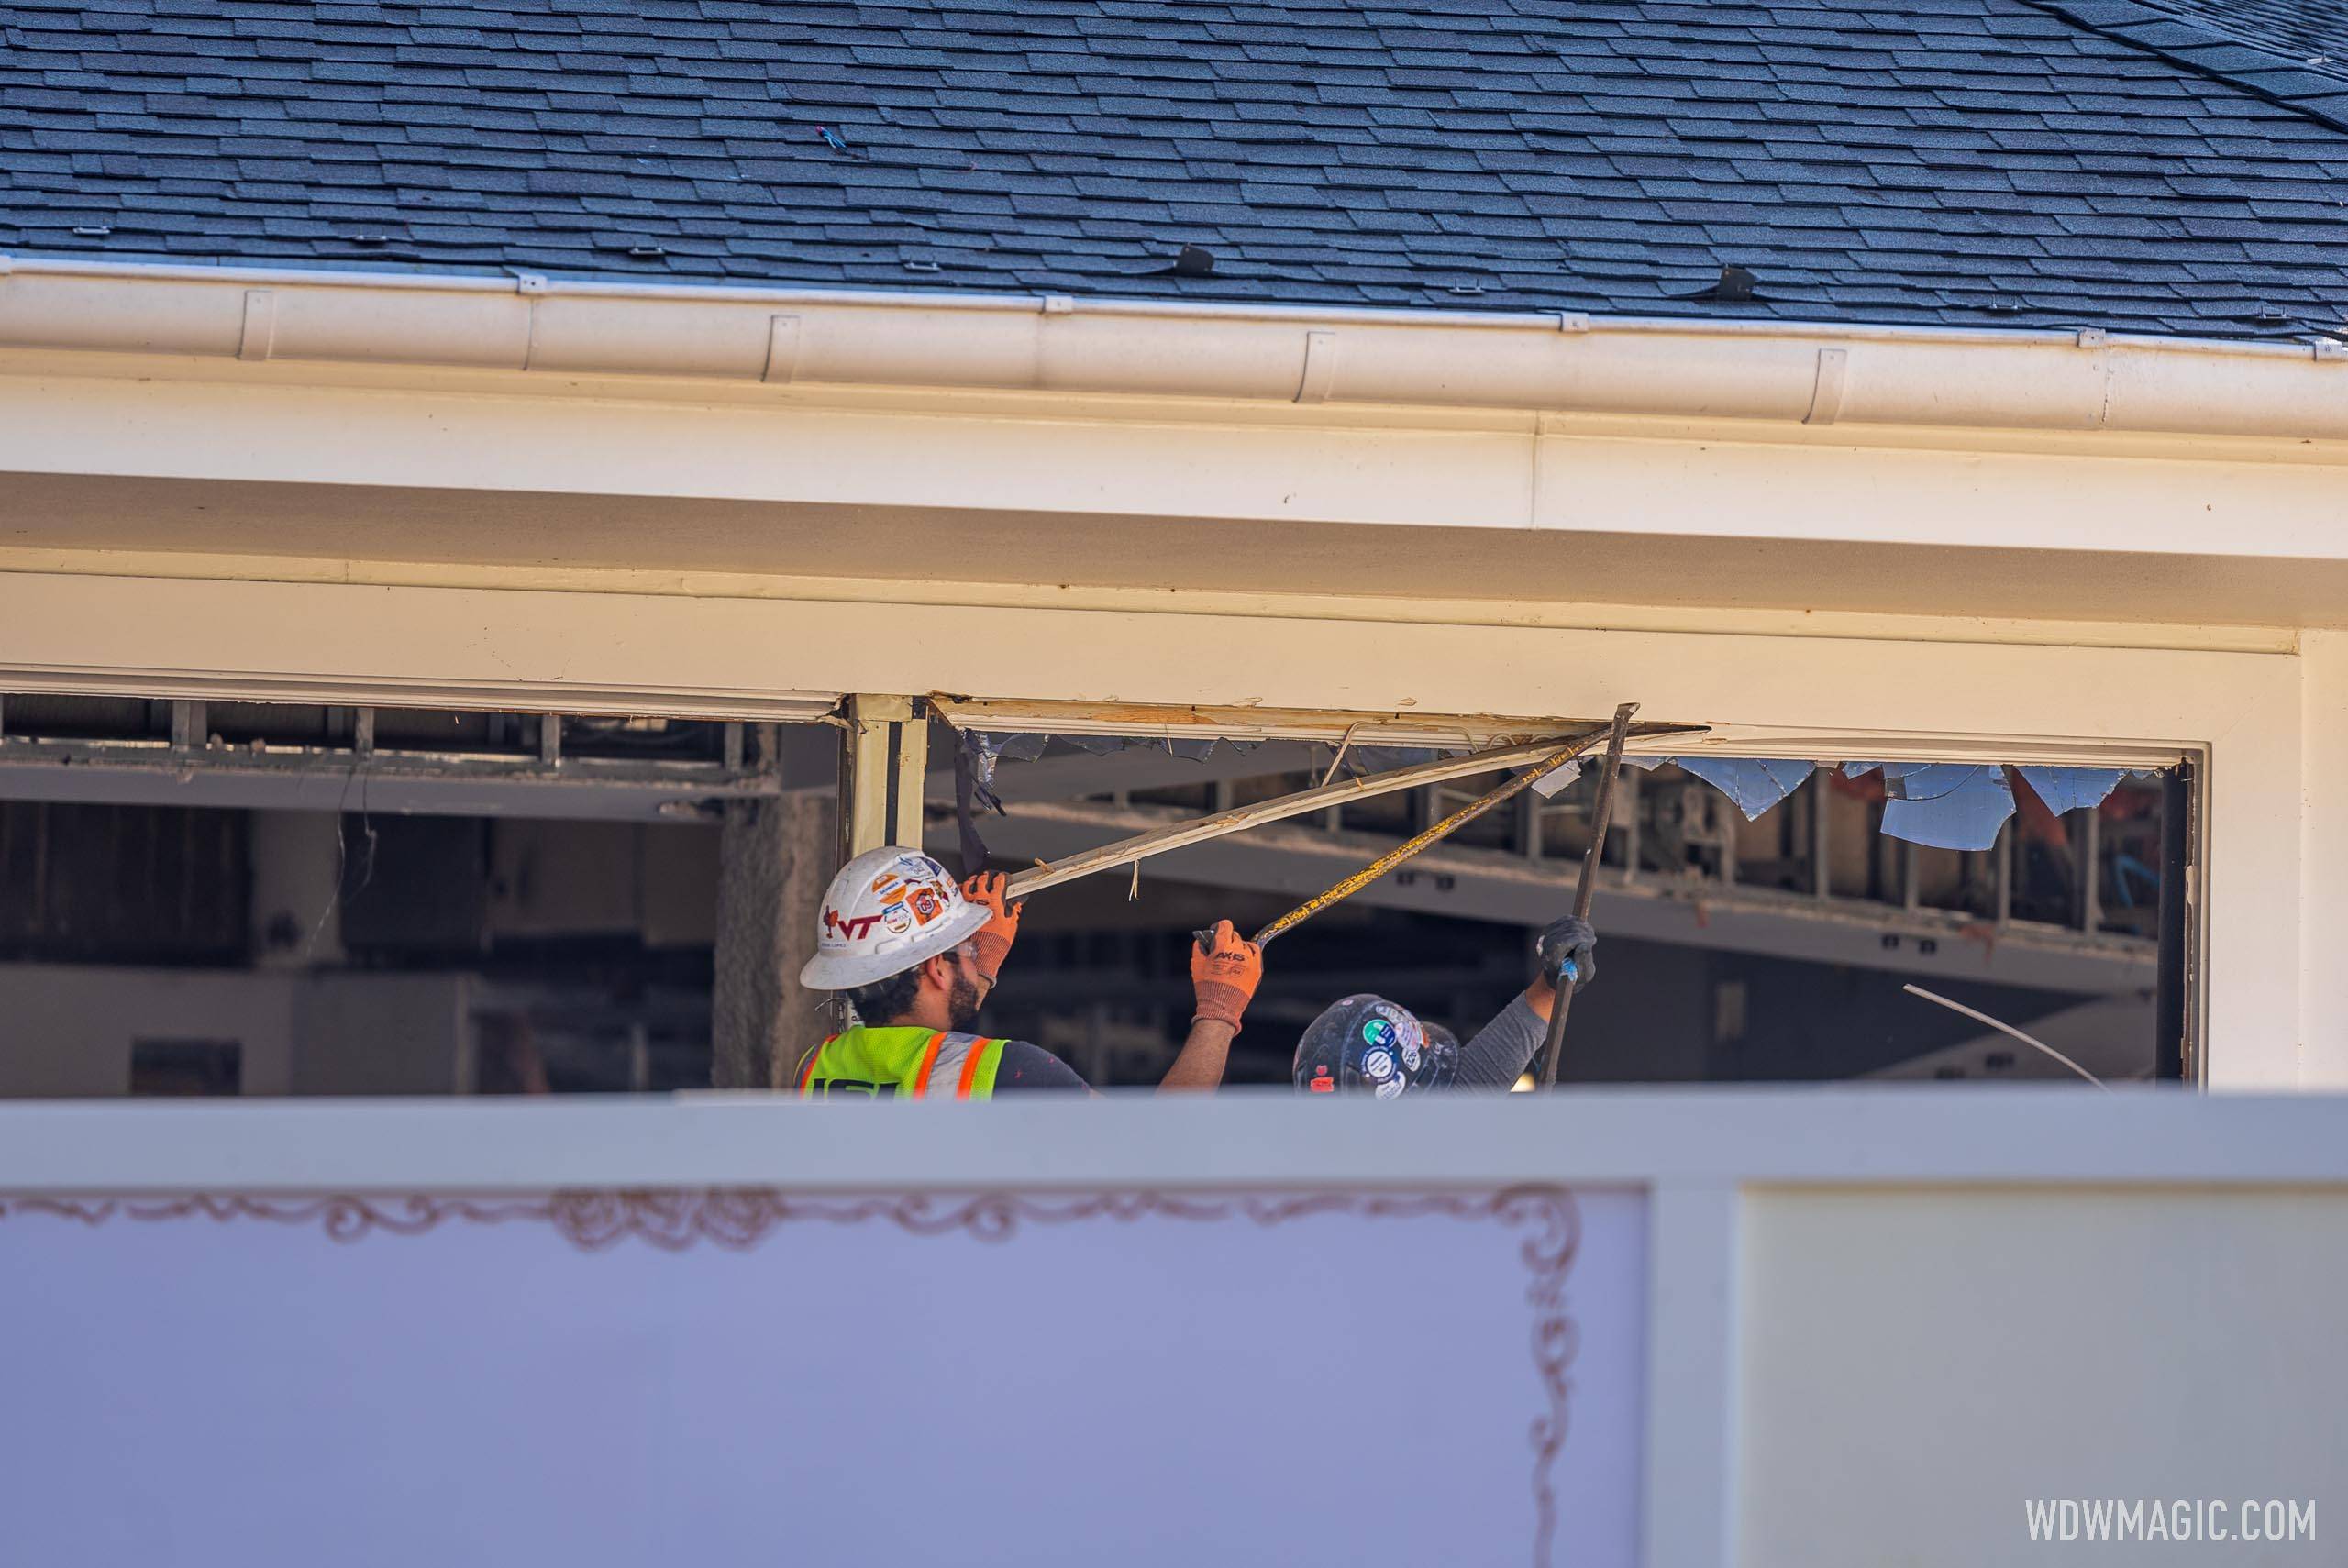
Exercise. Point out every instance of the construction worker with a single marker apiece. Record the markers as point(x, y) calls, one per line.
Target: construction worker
point(916, 955)
point(1364, 1042)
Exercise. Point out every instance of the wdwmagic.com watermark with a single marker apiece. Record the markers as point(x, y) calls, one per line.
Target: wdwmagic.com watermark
point(2169, 1519)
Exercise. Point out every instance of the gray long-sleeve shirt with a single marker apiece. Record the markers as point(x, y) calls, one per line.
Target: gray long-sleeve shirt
point(1501, 1051)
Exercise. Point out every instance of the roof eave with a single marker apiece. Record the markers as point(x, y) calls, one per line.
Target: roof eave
point(1786, 371)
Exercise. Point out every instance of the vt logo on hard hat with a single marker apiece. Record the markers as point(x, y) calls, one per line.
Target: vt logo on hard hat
point(851, 930)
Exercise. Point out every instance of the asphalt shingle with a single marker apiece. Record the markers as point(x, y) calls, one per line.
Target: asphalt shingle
point(2165, 166)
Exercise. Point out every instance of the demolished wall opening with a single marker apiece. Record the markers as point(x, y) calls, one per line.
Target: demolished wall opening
point(527, 902)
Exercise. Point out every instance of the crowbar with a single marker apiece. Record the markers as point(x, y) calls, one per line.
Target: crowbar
point(1198, 829)
point(1507, 789)
point(1600, 810)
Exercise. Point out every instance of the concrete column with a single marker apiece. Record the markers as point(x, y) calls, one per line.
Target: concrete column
point(775, 857)
point(297, 872)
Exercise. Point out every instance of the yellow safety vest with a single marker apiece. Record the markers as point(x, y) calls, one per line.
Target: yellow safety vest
point(910, 1061)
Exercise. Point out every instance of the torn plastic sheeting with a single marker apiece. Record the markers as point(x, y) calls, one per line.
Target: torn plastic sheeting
point(2068, 789)
point(1946, 805)
point(986, 750)
point(1557, 778)
point(1755, 784)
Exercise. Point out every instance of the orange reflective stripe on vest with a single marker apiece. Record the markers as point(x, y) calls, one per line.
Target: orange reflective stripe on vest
point(928, 1060)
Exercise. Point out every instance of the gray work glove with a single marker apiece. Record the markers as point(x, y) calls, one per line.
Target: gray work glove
point(1569, 948)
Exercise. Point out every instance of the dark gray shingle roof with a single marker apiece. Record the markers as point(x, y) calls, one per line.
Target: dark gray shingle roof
point(1966, 163)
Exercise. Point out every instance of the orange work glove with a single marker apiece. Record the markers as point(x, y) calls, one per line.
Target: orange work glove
point(1223, 975)
point(992, 940)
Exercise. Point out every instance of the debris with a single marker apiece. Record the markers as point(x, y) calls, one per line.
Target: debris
point(1736, 286)
point(838, 143)
point(1547, 786)
point(1947, 805)
point(2068, 788)
point(1755, 784)
point(1190, 261)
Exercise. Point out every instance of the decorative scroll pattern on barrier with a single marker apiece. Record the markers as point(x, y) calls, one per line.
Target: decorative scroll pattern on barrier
point(741, 1218)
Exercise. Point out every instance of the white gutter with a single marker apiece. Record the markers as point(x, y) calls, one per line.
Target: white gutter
point(1792, 371)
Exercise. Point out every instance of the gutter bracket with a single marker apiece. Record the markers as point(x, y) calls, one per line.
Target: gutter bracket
point(1826, 392)
point(2094, 338)
point(1320, 367)
point(259, 335)
point(1573, 321)
point(1057, 304)
point(2336, 352)
point(530, 283)
point(7, 264)
point(782, 351)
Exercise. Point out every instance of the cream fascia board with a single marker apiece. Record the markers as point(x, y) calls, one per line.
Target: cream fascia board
point(1789, 372)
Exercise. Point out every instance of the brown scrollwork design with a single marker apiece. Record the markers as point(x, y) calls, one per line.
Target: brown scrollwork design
point(741, 1218)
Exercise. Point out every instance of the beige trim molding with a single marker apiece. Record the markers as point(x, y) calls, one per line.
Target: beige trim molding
point(1789, 372)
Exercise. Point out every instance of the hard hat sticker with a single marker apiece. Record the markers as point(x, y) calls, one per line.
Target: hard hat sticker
point(1390, 1027)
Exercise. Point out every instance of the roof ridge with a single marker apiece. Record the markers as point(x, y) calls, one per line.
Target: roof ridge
point(2125, 21)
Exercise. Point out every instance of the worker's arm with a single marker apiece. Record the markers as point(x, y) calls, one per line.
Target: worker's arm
point(1204, 1055)
point(1503, 1048)
point(1223, 975)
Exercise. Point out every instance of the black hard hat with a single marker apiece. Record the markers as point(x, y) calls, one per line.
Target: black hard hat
point(1367, 1043)
point(1441, 1067)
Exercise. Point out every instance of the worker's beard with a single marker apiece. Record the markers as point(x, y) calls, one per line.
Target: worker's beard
point(962, 1003)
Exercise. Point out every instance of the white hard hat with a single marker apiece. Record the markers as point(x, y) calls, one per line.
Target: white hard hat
point(887, 910)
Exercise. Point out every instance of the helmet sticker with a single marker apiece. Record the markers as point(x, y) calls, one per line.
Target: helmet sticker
point(1378, 1063)
point(1391, 1087)
point(895, 918)
point(849, 929)
point(1389, 1027)
point(927, 905)
point(1322, 1082)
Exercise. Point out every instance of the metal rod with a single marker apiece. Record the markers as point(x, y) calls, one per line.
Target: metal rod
point(2172, 1052)
point(1177, 835)
point(1600, 810)
point(1980, 1017)
point(1432, 834)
